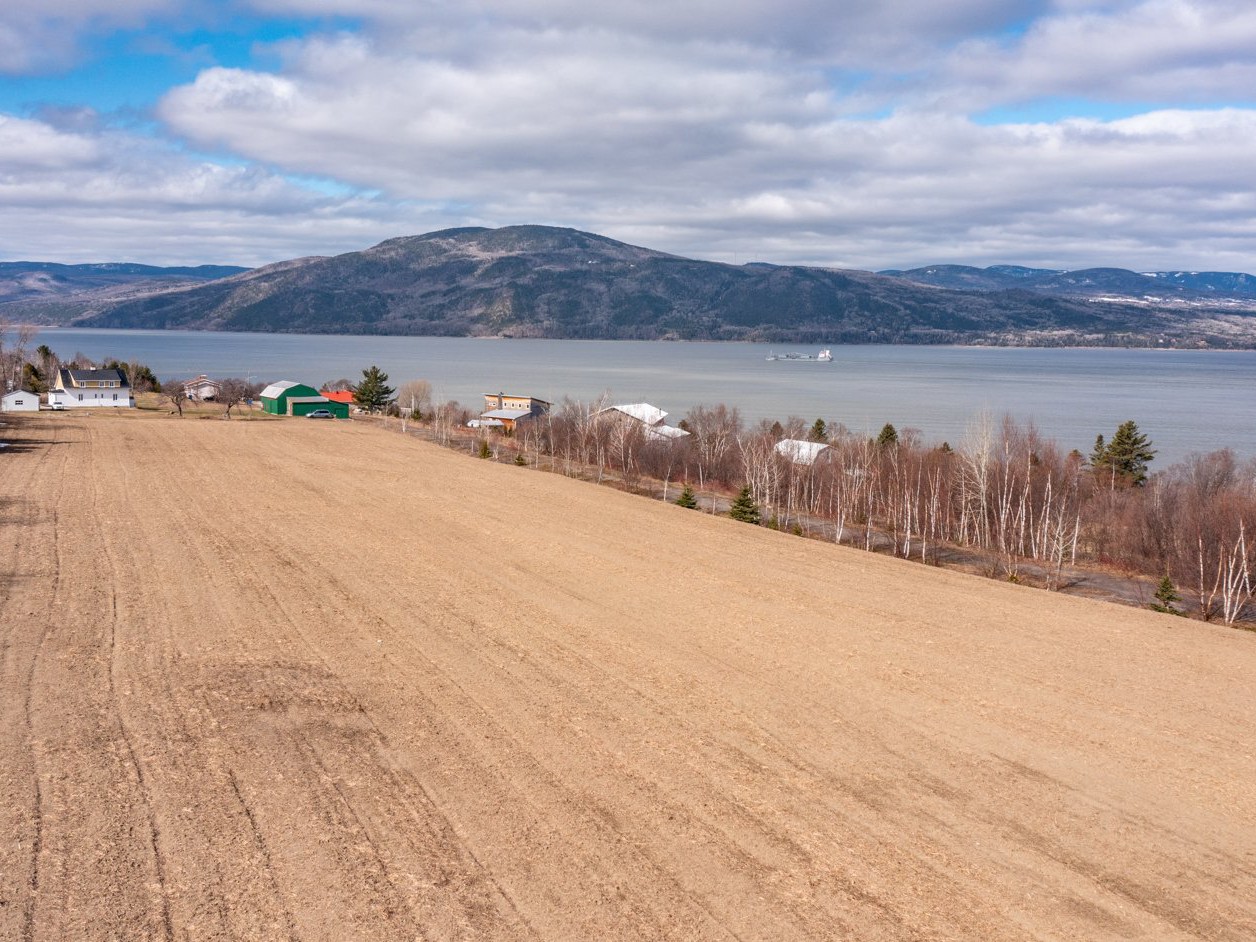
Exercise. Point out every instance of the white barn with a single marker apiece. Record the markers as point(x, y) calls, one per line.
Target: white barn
point(19, 401)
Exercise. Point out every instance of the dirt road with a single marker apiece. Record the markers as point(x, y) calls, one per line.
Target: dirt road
point(310, 680)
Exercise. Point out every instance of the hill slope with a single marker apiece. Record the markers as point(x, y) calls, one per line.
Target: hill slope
point(43, 291)
point(1164, 287)
point(537, 281)
point(522, 730)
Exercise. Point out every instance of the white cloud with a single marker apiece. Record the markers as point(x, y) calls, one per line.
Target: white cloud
point(736, 130)
point(1157, 50)
point(724, 150)
point(867, 33)
point(37, 36)
point(75, 196)
point(550, 110)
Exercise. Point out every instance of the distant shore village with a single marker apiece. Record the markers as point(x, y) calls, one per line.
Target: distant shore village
point(109, 388)
point(503, 412)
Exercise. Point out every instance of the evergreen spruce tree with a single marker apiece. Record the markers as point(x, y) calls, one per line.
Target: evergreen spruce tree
point(373, 394)
point(1166, 595)
point(1099, 456)
point(1129, 453)
point(33, 379)
point(485, 451)
point(687, 499)
point(819, 431)
point(1125, 458)
point(744, 508)
point(888, 437)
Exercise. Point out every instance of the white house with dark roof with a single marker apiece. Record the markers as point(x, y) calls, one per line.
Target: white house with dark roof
point(90, 389)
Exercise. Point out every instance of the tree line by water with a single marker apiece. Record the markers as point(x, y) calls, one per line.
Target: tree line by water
point(1028, 506)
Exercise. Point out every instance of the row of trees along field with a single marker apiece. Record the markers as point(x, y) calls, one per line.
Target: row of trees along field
point(1018, 499)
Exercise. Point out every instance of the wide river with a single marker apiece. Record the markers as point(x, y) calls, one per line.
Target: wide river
point(1186, 401)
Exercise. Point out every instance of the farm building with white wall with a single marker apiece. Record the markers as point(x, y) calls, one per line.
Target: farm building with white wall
point(19, 401)
point(90, 389)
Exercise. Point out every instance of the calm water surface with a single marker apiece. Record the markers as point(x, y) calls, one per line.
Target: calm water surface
point(1185, 400)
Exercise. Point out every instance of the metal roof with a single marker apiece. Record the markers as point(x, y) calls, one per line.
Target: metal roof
point(505, 413)
point(275, 390)
point(502, 395)
point(664, 431)
point(92, 376)
point(799, 451)
point(641, 411)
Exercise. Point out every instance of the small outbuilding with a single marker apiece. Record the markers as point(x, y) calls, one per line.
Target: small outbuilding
point(19, 401)
point(291, 398)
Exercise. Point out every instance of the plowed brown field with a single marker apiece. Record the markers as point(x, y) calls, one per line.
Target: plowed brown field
point(311, 680)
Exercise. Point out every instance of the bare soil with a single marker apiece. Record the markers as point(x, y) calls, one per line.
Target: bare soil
point(312, 680)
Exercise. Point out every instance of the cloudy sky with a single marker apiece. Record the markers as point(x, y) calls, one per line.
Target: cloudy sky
point(1060, 133)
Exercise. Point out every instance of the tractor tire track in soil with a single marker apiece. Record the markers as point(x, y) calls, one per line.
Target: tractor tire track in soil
point(297, 680)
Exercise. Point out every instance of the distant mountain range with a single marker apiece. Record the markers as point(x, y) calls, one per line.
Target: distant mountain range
point(537, 281)
point(1142, 287)
point(46, 292)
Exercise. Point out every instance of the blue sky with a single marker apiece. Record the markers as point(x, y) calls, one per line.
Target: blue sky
point(1057, 133)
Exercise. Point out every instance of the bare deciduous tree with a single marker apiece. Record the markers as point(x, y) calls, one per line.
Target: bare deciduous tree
point(233, 392)
point(174, 391)
point(415, 398)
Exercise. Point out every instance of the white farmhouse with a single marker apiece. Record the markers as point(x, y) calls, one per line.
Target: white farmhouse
point(202, 389)
point(90, 389)
point(19, 401)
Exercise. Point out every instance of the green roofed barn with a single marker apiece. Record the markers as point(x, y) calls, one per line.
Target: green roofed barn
point(289, 398)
